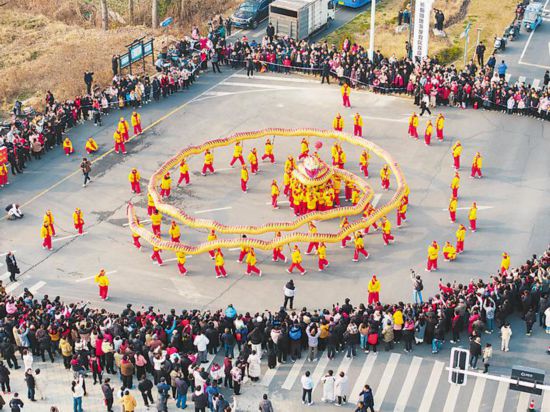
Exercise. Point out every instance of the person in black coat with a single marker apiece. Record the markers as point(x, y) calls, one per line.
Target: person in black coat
point(4, 378)
point(11, 263)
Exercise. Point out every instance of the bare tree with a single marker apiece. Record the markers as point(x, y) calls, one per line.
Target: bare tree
point(104, 15)
point(183, 11)
point(131, 11)
point(155, 14)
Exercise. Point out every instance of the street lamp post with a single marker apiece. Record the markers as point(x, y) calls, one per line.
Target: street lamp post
point(372, 23)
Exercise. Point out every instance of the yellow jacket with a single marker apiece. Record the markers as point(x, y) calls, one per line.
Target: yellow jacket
point(385, 173)
point(211, 236)
point(364, 159)
point(237, 151)
point(304, 146)
point(398, 317)
point(252, 158)
point(123, 126)
point(219, 259)
point(357, 120)
point(174, 231)
point(48, 217)
point(208, 158)
point(338, 123)
point(166, 183)
point(322, 252)
point(403, 207)
point(251, 259)
point(78, 218)
point(129, 403)
point(429, 128)
point(136, 119)
point(91, 145)
point(268, 148)
point(478, 161)
point(440, 122)
point(457, 149)
point(118, 137)
point(345, 89)
point(150, 201)
point(450, 251)
point(452, 205)
point(505, 262)
point(101, 280)
point(296, 256)
point(473, 213)
point(184, 168)
point(374, 286)
point(156, 218)
point(274, 190)
point(181, 257)
point(67, 143)
point(413, 121)
point(45, 232)
point(460, 234)
point(244, 175)
point(386, 227)
point(359, 243)
point(134, 177)
point(433, 252)
point(3, 170)
point(286, 178)
point(354, 196)
point(455, 183)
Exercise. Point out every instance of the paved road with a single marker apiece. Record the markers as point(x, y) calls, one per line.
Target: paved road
point(529, 56)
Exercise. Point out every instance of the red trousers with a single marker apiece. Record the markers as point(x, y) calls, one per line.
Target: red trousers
point(459, 246)
point(337, 199)
point(413, 132)
point(47, 243)
point(374, 225)
point(175, 239)
point(277, 254)
point(387, 237)
point(135, 187)
point(439, 134)
point(311, 246)
point(119, 147)
point(239, 158)
point(365, 169)
point(182, 269)
point(79, 227)
point(242, 255)
point(401, 217)
point(53, 229)
point(385, 184)
point(345, 240)
point(345, 101)
point(357, 130)
point(286, 191)
point(271, 157)
point(253, 168)
point(103, 290)
point(446, 256)
point(427, 138)
point(452, 216)
point(347, 192)
point(243, 185)
point(432, 264)
point(503, 271)
point(338, 129)
point(156, 229)
point(4, 180)
point(137, 129)
point(136, 242)
point(209, 168)
point(476, 171)
point(373, 297)
point(456, 162)
point(212, 254)
point(322, 264)
point(126, 136)
point(274, 202)
point(362, 251)
point(165, 192)
point(67, 150)
point(297, 266)
point(184, 176)
point(455, 192)
point(220, 271)
point(156, 257)
point(252, 269)
point(150, 210)
point(303, 155)
point(473, 225)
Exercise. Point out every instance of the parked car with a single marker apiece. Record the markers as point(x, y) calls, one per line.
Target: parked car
point(250, 13)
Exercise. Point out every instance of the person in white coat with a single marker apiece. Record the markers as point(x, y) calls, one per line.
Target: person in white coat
point(328, 387)
point(27, 359)
point(547, 319)
point(341, 388)
point(505, 335)
point(254, 370)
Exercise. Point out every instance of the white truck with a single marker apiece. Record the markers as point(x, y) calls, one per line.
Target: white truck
point(299, 19)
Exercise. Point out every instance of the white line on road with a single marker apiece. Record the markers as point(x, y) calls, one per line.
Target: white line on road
point(452, 397)
point(363, 377)
point(293, 374)
point(344, 365)
point(529, 39)
point(468, 208)
point(5, 276)
point(10, 288)
point(34, 288)
point(319, 369)
point(431, 387)
point(535, 65)
point(141, 221)
point(545, 401)
point(500, 397)
point(198, 212)
point(174, 259)
point(477, 394)
point(385, 381)
point(57, 239)
point(268, 377)
point(93, 276)
point(376, 199)
point(523, 402)
point(276, 78)
point(260, 86)
point(406, 389)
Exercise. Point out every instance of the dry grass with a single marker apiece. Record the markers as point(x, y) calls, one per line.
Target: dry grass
point(490, 15)
point(50, 48)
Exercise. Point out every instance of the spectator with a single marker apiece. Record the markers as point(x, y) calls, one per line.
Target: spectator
point(307, 389)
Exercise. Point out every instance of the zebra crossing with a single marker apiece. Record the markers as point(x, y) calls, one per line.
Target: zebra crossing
point(535, 82)
point(400, 382)
point(16, 288)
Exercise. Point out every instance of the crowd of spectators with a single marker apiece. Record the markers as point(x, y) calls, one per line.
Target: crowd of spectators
point(148, 349)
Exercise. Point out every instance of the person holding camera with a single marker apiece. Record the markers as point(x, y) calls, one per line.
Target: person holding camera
point(417, 287)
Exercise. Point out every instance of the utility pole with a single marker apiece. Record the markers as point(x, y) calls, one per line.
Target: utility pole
point(409, 53)
point(478, 33)
point(466, 34)
point(131, 11)
point(104, 15)
point(372, 23)
point(155, 14)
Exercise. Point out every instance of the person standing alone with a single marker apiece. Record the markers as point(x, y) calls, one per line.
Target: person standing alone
point(289, 292)
point(11, 263)
point(86, 167)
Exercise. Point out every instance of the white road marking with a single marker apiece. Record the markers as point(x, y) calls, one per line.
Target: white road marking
point(406, 389)
point(385, 381)
point(5, 276)
point(387, 119)
point(268, 377)
point(521, 79)
point(276, 78)
point(10, 288)
point(431, 387)
point(141, 221)
point(545, 401)
point(477, 394)
point(468, 208)
point(234, 248)
point(218, 94)
point(541, 66)
point(293, 374)
point(260, 86)
point(452, 397)
point(529, 40)
point(222, 169)
point(536, 83)
point(319, 369)
point(376, 199)
point(57, 239)
point(523, 401)
point(363, 377)
point(198, 212)
point(174, 259)
point(280, 202)
point(344, 365)
point(93, 276)
point(34, 288)
point(500, 397)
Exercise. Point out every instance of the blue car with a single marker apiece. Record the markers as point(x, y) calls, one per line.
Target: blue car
point(251, 13)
